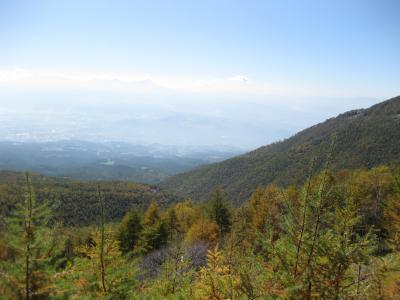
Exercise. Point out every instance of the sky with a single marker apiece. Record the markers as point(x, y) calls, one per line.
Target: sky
point(197, 60)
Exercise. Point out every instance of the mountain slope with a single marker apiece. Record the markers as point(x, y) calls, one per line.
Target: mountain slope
point(75, 202)
point(365, 138)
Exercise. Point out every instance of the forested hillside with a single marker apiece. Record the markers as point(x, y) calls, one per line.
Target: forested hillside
point(337, 236)
point(364, 138)
point(75, 202)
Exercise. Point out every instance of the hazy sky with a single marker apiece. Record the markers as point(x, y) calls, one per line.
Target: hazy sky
point(307, 56)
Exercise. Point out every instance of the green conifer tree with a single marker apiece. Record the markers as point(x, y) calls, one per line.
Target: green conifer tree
point(129, 231)
point(219, 211)
point(155, 231)
point(102, 239)
point(27, 274)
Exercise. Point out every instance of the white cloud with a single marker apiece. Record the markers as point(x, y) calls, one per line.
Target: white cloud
point(120, 81)
point(144, 83)
point(14, 75)
point(53, 80)
point(240, 78)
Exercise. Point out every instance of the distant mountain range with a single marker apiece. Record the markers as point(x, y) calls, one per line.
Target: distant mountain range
point(109, 160)
point(365, 138)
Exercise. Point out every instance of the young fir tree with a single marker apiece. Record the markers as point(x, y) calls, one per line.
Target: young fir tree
point(82, 279)
point(129, 231)
point(102, 239)
point(155, 231)
point(216, 279)
point(248, 273)
point(319, 251)
point(27, 274)
point(172, 222)
point(219, 211)
point(100, 270)
point(319, 248)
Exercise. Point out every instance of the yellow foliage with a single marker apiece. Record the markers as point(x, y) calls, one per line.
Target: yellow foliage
point(265, 207)
point(203, 230)
point(217, 280)
point(88, 269)
point(152, 214)
point(392, 221)
point(186, 214)
point(385, 278)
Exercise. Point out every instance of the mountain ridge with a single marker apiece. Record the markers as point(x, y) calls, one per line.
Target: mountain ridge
point(365, 138)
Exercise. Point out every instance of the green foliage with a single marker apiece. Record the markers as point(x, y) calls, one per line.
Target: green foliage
point(219, 212)
point(320, 240)
point(392, 213)
point(187, 214)
point(384, 278)
point(32, 248)
point(83, 277)
point(129, 231)
point(174, 228)
point(176, 277)
point(319, 249)
point(231, 274)
point(155, 230)
point(76, 199)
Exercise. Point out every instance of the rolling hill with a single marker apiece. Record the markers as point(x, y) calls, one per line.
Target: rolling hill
point(365, 138)
point(75, 202)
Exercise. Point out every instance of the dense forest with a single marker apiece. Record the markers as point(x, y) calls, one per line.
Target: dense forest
point(365, 138)
point(74, 202)
point(336, 236)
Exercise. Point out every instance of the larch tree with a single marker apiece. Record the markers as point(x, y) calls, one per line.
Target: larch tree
point(27, 272)
point(155, 230)
point(129, 231)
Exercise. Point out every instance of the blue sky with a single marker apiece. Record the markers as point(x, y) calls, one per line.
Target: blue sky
point(346, 45)
point(304, 51)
